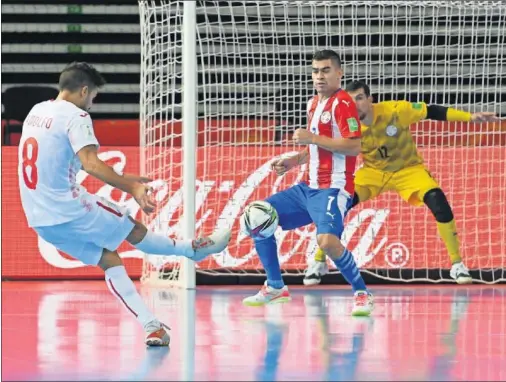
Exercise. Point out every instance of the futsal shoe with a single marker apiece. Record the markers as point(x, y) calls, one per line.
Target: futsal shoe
point(363, 304)
point(268, 295)
point(314, 273)
point(156, 335)
point(207, 245)
point(460, 274)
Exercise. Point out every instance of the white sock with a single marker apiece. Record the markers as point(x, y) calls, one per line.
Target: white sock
point(156, 244)
point(124, 289)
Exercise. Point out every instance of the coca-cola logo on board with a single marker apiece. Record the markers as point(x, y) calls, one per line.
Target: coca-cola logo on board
point(220, 199)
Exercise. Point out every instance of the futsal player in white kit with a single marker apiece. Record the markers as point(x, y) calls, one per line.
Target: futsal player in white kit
point(57, 141)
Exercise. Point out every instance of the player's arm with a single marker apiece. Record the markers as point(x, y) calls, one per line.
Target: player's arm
point(346, 118)
point(132, 177)
point(138, 178)
point(282, 165)
point(285, 164)
point(443, 113)
point(408, 113)
point(85, 145)
point(345, 146)
point(302, 157)
point(94, 166)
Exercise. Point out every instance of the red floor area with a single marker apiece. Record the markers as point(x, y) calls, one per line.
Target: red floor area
point(78, 331)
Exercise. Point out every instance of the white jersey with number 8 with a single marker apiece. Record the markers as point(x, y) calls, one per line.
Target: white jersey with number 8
point(53, 133)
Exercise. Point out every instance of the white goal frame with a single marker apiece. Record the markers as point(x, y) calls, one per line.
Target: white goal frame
point(190, 96)
point(186, 278)
point(184, 273)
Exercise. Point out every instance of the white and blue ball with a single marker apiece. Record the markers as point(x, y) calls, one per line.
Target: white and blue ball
point(259, 220)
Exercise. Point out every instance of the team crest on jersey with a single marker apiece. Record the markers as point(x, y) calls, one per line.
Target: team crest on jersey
point(391, 130)
point(325, 117)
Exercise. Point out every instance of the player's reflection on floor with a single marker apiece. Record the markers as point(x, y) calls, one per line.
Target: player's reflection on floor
point(57, 312)
point(456, 339)
point(267, 370)
point(153, 359)
point(339, 352)
point(72, 332)
point(442, 364)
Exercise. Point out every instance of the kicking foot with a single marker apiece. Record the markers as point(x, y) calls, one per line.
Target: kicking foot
point(268, 295)
point(314, 273)
point(156, 335)
point(363, 304)
point(207, 245)
point(460, 274)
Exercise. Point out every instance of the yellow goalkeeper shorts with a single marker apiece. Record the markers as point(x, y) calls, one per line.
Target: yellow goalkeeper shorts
point(411, 183)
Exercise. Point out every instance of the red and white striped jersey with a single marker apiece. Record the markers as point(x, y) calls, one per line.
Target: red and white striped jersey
point(335, 117)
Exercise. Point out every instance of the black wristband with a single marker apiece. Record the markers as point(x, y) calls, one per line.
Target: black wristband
point(436, 112)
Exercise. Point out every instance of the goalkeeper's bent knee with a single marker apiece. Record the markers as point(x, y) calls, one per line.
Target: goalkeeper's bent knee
point(436, 200)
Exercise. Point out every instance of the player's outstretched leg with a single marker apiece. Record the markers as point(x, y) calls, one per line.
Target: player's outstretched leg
point(274, 289)
point(319, 268)
point(436, 200)
point(344, 261)
point(198, 249)
point(122, 287)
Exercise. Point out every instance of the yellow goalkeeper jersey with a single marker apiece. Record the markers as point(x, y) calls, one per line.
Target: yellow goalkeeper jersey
point(387, 144)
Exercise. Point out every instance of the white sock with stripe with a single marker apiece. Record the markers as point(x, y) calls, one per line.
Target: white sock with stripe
point(122, 287)
point(156, 244)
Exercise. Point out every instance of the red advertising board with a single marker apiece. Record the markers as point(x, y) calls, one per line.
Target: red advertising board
point(213, 131)
point(126, 132)
point(385, 233)
point(123, 132)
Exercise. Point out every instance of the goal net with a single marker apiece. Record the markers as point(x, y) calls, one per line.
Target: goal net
point(251, 62)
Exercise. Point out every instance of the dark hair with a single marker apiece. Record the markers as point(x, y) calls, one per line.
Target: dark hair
point(79, 74)
point(327, 54)
point(357, 85)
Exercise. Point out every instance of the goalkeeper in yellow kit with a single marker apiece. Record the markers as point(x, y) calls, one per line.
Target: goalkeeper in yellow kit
point(392, 163)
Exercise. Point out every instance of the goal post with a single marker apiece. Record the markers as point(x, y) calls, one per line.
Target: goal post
point(189, 125)
point(152, 137)
point(224, 84)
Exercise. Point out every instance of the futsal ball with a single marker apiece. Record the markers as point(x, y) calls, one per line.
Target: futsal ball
point(259, 220)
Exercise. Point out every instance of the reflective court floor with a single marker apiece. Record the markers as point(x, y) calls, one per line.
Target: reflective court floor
point(76, 331)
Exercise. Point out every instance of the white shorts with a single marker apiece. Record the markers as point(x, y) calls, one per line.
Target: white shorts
point(105, 225)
